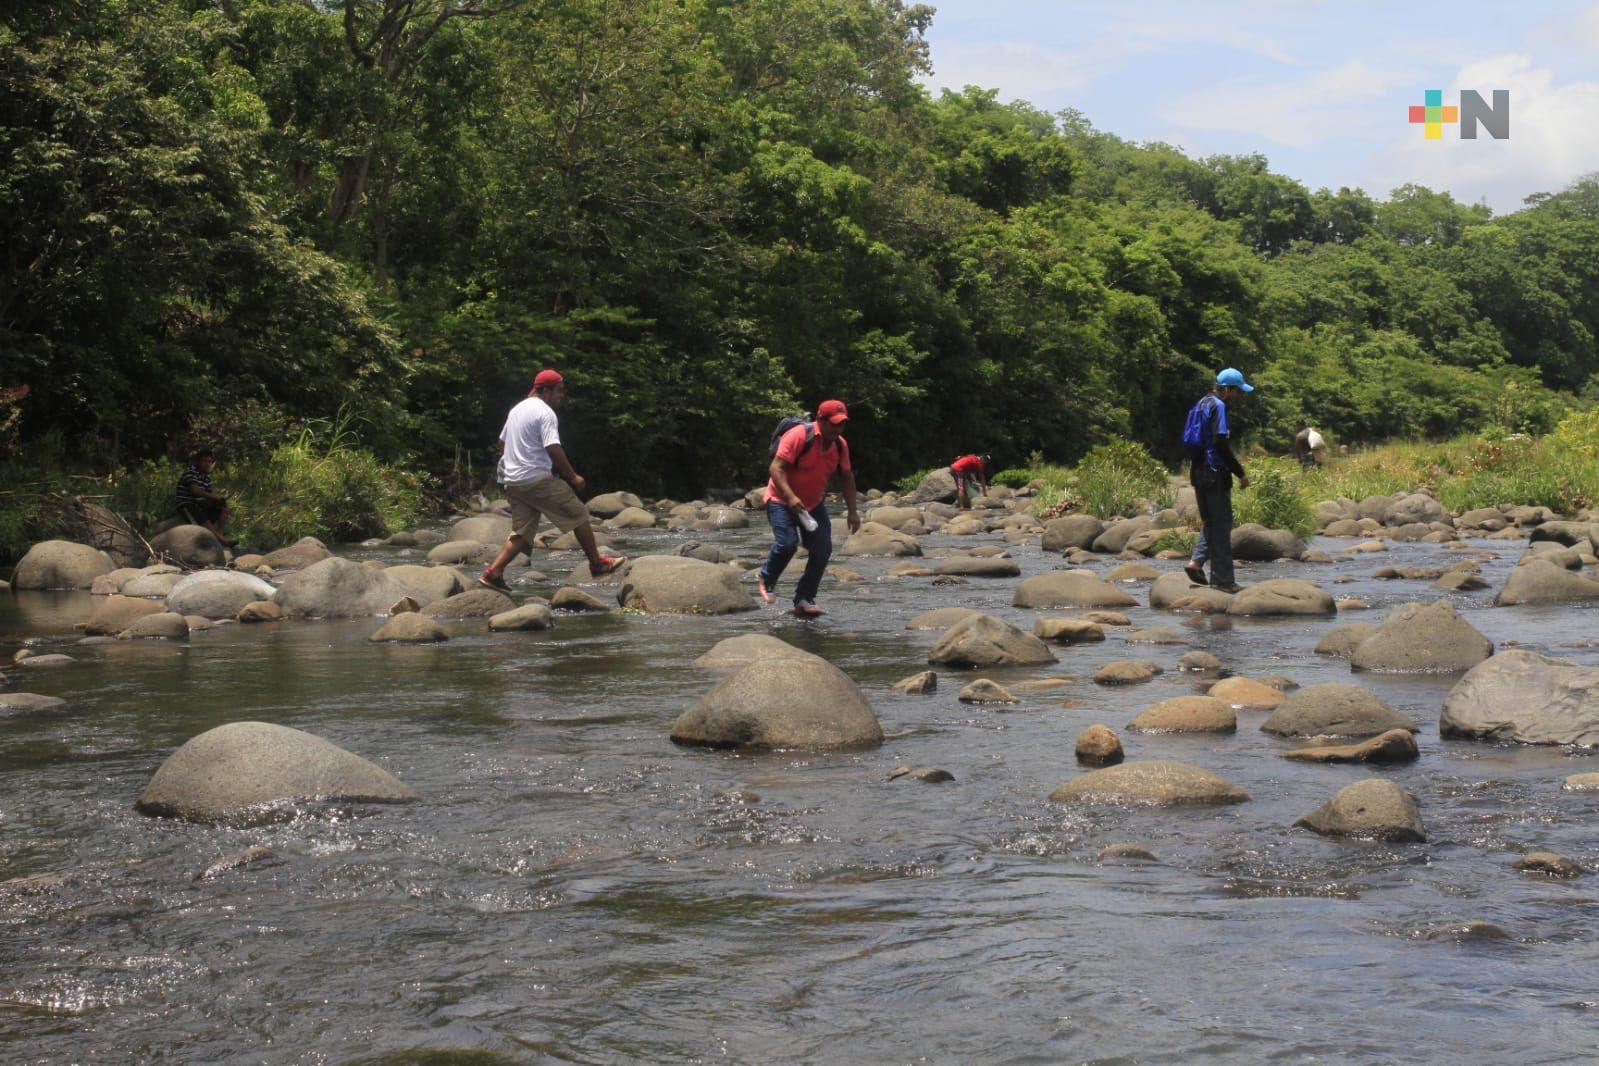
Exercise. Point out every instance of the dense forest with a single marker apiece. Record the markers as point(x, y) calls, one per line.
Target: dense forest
point(223, 220)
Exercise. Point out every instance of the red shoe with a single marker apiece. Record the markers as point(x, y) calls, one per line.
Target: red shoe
point(607, 565)
point(764, 592)
point(493, 581)
point(807, 609)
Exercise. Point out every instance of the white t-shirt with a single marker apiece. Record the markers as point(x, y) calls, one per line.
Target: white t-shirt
point(1314, 441)
point(530, 428)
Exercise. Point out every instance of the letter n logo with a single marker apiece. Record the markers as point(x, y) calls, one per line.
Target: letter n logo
point(1495, 119)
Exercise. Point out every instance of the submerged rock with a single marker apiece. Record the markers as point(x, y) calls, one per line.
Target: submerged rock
point(782, 703)
point(162, 626)
point(1547, 862)
point(1153, 783)
point(1375, 808)
point(917, 684)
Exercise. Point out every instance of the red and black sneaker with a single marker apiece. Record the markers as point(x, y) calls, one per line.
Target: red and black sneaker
point(493, 581)
point(607, 565)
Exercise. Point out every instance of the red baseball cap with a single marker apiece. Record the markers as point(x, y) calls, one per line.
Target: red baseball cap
point(832, 411)
point(547, 378)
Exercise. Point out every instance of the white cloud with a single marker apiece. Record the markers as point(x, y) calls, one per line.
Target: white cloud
point(1301, 113)
point(1022, 71)
point(1554, 138)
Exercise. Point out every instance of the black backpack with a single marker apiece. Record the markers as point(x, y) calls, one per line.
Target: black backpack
point(786, 424)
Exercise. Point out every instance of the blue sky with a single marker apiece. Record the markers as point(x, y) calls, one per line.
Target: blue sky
point(1320, 88)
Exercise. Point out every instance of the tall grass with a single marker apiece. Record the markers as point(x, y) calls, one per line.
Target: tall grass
point(1118, 478)
point(1278, 497)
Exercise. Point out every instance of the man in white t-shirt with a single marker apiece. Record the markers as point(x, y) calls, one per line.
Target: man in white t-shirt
point(531, 457)
point(1309, 446)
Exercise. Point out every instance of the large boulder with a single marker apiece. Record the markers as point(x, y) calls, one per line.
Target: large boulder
point(1541, 581)
point(803, 702)
point(473, 603)
point(1070, 588)
point(673, 584)
point(1253, 542)
point(1333, 711)
point(1419, 638)
point(1526, 698)
point(1186, 714)
point(1072, 531)
point(894, 517)
point(338, 588)
point(1170, 590)
point(116, 613)
point(1283, 596)
point(1152, 783)
point(425, 584)
point(240, 769)
point(1374, 808)
point(216, 594)
point(611, 504)
point(483, 528)
point(983, 640)
point(873, 539)
point(60, 564)
point(195, 547)
point(1115, 536)
point(939, 486)
point(735, 653)
point(1416, 507)
point(297, 556)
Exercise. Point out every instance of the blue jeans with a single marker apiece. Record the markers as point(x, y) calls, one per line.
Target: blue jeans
point(787, 536)
point(1214, 494)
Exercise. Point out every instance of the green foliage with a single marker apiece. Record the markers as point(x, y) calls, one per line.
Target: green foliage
point(908, 484)
point(1175, 540)
point(1017, 478)
point(1276, 498)
point(1120, 478)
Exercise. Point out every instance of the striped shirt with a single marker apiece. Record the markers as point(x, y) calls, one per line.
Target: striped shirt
point(191, 479)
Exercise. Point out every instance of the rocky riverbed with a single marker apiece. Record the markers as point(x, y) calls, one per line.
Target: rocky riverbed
point(562, 830)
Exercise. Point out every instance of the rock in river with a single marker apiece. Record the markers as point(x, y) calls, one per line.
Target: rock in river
point(1150, 783)
point(1070, 588)
point(734, 653)
point(116, 613)
point(803, 703)
point(1419, 638)
point(983, 640)
point(673, 584)
point(1098, 745)
point(236, 769)
point(983, 690)
point(1186, 714)
point(1283, 596)
point(529, 616)
point(941, 618)
point(1394, 746)
point(1527, 698)
point(338, 588)
point(1334, 710)
point(60, 564)
point(1341, 641)
point(473, 603)
point(1247, 693)
point(410, 628)
point(1373, 808)
point(217, 594)
point(1541, 581)
point(195, 547)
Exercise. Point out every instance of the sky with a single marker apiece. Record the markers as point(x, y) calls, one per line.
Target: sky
point(1322, 89)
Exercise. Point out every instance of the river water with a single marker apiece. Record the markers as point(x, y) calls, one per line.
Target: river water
point(575, 887)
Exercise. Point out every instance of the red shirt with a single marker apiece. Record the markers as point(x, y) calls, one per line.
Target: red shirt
point(968, 464)
point(808, 471)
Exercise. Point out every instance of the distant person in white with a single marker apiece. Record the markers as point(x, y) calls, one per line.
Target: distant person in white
point(1309, 447)
point(531, 456)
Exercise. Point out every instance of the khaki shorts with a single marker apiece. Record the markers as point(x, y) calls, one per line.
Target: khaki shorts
point(549, 497)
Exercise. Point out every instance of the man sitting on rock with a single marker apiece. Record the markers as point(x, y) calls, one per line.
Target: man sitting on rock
point(531, 455)
point(198, 503)
point(807, 455)
point(1211, 470)
point(966, 470)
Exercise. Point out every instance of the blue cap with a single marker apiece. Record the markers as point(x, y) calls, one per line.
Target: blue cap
point(1235, 379)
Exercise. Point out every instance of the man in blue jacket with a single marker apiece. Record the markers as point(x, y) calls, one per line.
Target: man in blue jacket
point(1205, 437)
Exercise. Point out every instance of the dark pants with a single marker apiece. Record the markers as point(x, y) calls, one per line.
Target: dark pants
point(1213, 490)
point(787, 536)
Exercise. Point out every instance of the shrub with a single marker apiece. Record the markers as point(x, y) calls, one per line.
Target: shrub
point(1276, 498)
point(1175, 539)
point(908, 484)
point(1119, 478)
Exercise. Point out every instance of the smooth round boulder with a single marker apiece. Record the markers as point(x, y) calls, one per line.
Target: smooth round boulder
point(937, 486)
point(1098, 745)
point(1418, 638)
point(1199, 662)
point(1170, 590)
point(974, 566)
point(631, 518)
point(1070, 588)
point(1150, 783)
point(1072, 531)
point(1336, 710)
point(60, 564)
point(983, 640)
point(1126, 672)
point(572, 598)
point(192, 547)
point(1341, 641)
point(1116, 534)
point(115, 613)
point(412, 627)
point(1283, 597)
point(1373, 809)
point(254, 613)
point(611, 504)
point(484, 529)
point(462, 553)
point(241, 769)
point(1525, 698)
point(872, 539)
point(795, 703)
point(425, 584)
point(1246, 693)
point(529, 616)
point(1541, 581)
point(735, 653)
point(941, 618)
point(1131, 572)
point(156, 582)
point(338, 588)
point(1186, 714)
point(894, 517)
point(917, 684)
point(479, 602)
point(1255, 543)
point(217, 594)
point(1068, 630)
point(296, 556)
point(674, 584)
point(162, 626)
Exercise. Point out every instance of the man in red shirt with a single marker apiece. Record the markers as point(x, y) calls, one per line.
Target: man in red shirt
point(967, 469)
point(807, 455)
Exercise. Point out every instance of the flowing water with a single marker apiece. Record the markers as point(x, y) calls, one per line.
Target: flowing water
point(573, 886)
